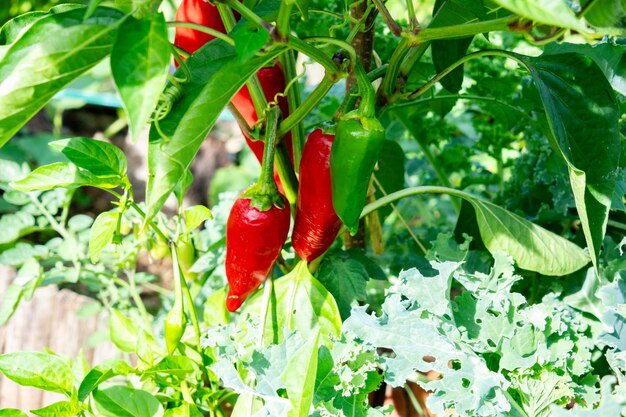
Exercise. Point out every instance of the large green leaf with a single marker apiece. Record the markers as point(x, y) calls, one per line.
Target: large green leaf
point(62, 175)
point(217, 74)
point(139, 62)
point(531, 246)
point(119, 401)
point(549, 12)
point(583, 115)
point(17, 26)
point(299, 378)
point(38, 369)
point(101, 373)
point(300, 303)
point(55, 50)
point(96, 156)
point(609, 56)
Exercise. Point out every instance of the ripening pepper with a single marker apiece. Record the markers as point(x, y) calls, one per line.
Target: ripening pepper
point(359, 138)
point(200, 12)
point(257, 227)
point(271, 79)
point(316, 223)
point(175, 320)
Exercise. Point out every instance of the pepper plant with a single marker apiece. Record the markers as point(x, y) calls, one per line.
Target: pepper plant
point(456, 182)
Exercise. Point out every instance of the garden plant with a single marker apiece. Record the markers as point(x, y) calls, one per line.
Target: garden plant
point(442, 213)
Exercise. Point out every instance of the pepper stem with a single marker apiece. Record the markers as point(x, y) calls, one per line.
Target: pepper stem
point(264, 194)
point(367, 108)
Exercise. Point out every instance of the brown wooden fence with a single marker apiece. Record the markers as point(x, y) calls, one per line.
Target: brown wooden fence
point(49, 321)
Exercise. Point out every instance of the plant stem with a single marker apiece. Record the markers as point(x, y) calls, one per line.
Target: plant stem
point(461, 31)
point(253, 84)
point(616, 224)
point(389, 20)
point(351, 98)
point(282, 21)
point(307, 105)
point(338, 42)
point(316, 55)
point(407, 192)
point(288, 62)
point(387, 89)
point(204, 29)
point(139, 211)
point(412, 56)
point(53, 222)
point(412, 17)
point(182, 290)
point(461, 61)
point(454, 97)
point(286, 174)
point(367, 107)
point(132, 288)
point(267, 299)
point(266, 178)
point(401, 217)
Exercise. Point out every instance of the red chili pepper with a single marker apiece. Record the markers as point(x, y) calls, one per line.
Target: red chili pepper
point(202, 13)
point(254, 240)
point(257, 226)
point(316, 224)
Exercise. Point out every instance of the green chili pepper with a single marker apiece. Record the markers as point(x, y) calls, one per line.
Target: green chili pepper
point(359, 138)
point(176, 320)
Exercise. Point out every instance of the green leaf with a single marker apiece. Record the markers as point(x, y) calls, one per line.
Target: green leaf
point(195, 216)
point(299, 377)
point(37, 369)
point(532, 247)
point(11, 412)
point(583, 116)
point(11, 300)
point(15, 225)
point(345, 278)
point(302, 304)
point(548, 12)
point(101, 373)
point(247, 404)
point(140, 61)
point(121, 401)
point(610, 404)
point(59, 409)
point(216, 75)
point(28, 279)
point(390, 172)
point(177, 366)
point(101, 233)
point(303, 6)
point(249, 40)
point(607, 55)
point(123, 331)
point(62, 175)
point(446, 52)
point(100, 158)
point(16, 27)
point(55, 50)
point(606, 13)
